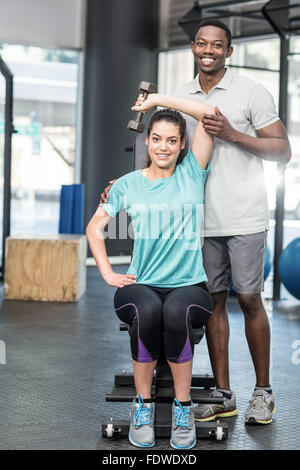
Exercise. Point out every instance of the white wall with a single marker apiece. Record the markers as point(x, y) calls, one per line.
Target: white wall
point(45, 23)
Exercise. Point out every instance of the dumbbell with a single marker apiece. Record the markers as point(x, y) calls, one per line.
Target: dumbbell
point(145, 89)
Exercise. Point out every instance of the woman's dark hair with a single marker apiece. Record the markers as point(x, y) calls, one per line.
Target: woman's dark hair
point(218, 24)
point(169, 115)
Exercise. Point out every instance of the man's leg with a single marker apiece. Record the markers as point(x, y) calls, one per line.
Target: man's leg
point(217, 267)
point(258, 335)
point(247, 260)
point(217, 336)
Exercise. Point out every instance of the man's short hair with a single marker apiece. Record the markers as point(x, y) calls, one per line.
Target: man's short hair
point(218, 24)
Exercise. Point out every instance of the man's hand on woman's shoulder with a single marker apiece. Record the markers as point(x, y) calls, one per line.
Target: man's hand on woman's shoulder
point(105, 195)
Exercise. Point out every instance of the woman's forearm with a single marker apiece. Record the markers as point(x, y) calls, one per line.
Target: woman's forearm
point(95, 236)
point(193, 108)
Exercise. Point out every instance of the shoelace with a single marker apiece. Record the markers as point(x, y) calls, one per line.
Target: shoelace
point(259, 400)
point(142, 416)
point(182, 414)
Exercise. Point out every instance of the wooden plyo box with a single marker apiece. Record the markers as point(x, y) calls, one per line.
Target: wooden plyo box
point(48, 268)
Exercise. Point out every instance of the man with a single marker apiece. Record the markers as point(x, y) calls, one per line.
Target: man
point(246, 131)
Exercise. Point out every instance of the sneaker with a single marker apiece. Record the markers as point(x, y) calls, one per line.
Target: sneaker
point(183, 435)
point(208, 412)
point(261, 408)
point(141, 431)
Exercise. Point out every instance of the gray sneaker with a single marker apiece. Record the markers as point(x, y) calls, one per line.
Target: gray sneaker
point(210, 411)
point(183, 435)
point(141, 431)
point(261, 408)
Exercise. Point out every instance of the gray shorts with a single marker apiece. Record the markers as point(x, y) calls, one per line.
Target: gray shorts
point(240, 257)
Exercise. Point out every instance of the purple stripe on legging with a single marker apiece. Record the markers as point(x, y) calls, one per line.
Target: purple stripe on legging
point(143, 353)
point(187, 354)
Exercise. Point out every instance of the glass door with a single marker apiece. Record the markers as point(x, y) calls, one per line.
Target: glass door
point(6, 129)
point(2, 140)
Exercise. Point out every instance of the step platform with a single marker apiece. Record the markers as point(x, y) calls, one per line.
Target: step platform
point(163, 395)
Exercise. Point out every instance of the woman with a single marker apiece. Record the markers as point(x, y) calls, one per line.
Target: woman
point(164, 288)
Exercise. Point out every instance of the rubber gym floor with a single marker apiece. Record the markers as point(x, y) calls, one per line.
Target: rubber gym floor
point(61, 360)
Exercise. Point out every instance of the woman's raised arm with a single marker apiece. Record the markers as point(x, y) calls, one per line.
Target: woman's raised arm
point(202, 142)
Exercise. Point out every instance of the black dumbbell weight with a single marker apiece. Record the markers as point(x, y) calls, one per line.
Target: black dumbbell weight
point(136, 125)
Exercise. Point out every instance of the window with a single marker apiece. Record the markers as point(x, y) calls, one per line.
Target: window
point(175, 68)
point(43, 150)
point(2, 119)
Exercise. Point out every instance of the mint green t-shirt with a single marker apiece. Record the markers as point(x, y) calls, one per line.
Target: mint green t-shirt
point(166, 217)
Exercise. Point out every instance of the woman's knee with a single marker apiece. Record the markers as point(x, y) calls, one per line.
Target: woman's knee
point(137, 303)
point(193, 306)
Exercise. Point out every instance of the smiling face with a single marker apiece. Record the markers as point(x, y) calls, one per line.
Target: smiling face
point(164, 144)
point(210, 49)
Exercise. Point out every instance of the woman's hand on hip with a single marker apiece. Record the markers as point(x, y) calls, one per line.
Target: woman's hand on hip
point(119, 280)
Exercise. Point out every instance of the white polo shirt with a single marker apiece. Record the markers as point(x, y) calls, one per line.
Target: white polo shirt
point(235, 194)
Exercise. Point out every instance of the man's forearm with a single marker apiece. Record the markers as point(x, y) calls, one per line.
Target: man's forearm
point(273, 149)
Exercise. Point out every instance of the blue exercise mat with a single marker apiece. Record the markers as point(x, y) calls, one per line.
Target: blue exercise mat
point(71, 209)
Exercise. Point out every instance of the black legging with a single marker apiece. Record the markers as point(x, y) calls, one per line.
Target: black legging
point(149, 310)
